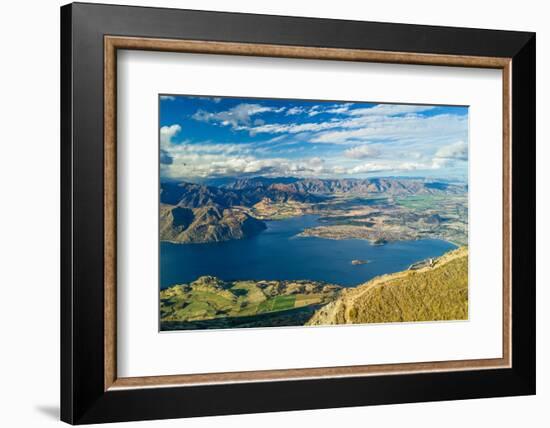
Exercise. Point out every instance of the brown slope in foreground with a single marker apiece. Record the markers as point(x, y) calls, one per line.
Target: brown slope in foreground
point(439, 292)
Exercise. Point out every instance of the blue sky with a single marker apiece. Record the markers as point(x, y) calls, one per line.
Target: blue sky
point(215, 137)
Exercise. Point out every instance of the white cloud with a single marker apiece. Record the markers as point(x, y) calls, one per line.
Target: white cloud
point(187, 148)
point(294, 110)
point(400, 128)
point(410, 141)
point(446, 156)
point(189, 160)
point(206, 159)
point(314, 111)
point(168, 132)
point(371, 167)
point(389, 110)
point(362, 152)
point(240, 115)
point(381, 122)
point(438, 163)
point(318, 109)
point(339, 108)
point(456, 151)
point(167, 98)
point(292, 128)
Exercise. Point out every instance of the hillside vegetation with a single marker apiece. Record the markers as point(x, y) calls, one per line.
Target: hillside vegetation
point(210, 302)
point(438, 291)
point(210, 223)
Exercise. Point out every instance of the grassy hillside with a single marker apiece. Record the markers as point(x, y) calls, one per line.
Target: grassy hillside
point(436, 292)
point(210, 302)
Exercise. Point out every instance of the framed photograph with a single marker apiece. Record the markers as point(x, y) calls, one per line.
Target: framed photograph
point(266, 213)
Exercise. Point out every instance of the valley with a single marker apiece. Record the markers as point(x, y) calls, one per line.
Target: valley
point(377, 210)
point(264, 252)
point(388, 219)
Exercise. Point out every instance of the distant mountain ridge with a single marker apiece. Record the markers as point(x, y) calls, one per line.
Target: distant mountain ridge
point(246, 183)
point(193, 195)
point(319, 186)
point(197, 213)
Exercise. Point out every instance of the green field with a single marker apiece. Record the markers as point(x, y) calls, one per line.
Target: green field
point(210, 298)
point(421, 202)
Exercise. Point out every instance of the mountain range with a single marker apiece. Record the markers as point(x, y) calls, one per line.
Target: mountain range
point(210, 223)
point(198, 213)
point(368, 186)
point(193, 195)
point(249, 191)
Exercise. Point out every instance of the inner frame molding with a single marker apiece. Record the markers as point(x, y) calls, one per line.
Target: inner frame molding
point(114, 43)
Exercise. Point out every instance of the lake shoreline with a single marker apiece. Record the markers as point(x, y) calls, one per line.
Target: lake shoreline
point(212, 303)
point(279, 254)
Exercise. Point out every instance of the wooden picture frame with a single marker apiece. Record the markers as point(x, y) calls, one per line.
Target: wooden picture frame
point(91, 390)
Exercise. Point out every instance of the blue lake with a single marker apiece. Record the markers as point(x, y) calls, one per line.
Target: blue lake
point(277, 253)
